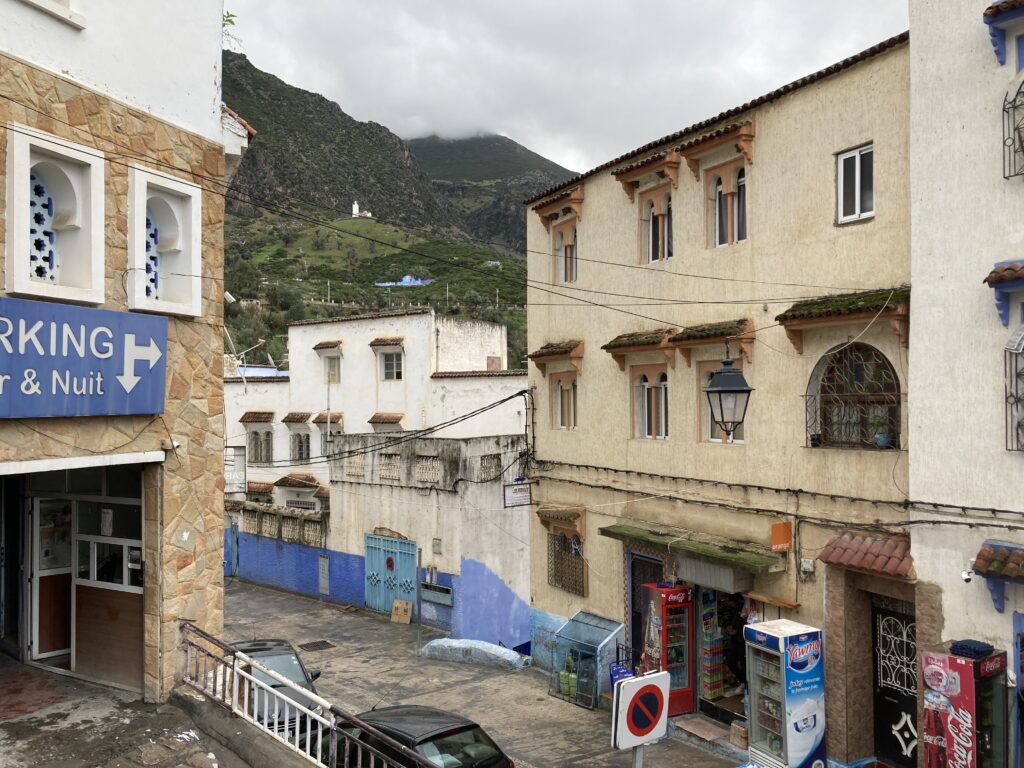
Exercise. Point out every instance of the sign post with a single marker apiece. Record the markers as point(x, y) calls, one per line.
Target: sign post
point(640, 713)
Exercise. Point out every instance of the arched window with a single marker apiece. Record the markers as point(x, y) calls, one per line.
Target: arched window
point(268, 447)
point(569, 258)
point(652, 410)
point(668, 227)
point(853, 399)
point(52, 204)
point(721, 215)
point(740, 207)
point(662, 410)
point(653, 232)
point(565, 254)
point(565, 404)
point(255, 448)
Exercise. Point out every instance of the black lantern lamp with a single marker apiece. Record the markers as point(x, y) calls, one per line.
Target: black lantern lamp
point(728, 395)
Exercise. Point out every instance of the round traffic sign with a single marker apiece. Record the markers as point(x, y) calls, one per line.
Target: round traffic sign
point(644, 710)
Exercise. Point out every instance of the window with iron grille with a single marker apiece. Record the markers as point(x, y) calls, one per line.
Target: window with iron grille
point(1014, 367)
point(566, 566)
point(853, 400)
point(390, 467)
point(428, 469)
point(300, 447)
point(261, 447)
point(355, 467)
point(490, 465)
point(300, 504)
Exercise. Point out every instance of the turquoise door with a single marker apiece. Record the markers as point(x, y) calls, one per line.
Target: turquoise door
point(390, 572)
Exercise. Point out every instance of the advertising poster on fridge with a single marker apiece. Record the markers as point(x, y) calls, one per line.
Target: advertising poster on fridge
point(805, 701)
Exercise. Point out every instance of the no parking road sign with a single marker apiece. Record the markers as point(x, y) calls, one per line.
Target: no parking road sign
point(640, 710)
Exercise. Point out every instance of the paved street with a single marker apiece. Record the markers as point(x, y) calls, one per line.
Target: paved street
point(375, 662)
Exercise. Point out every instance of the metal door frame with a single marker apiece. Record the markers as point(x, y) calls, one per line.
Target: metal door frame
point(35, 577)
point(374, 541)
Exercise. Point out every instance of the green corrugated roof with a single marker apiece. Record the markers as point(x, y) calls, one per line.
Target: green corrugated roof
point(847, 304)
point(700, 546)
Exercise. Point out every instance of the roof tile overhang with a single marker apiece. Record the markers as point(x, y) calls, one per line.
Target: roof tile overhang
point(891, 304)
point(641, 341)
point(321, 346)
point(999, 562)
point(296, 417)
point(881, 555)
point(257, 417)
point(254, 487)
point(559, 514)
point(998, 17)
point(322, 493)
point(702, 546)
point(741, 331)
point(478, 374)
point(558, 351)
point(298, 481)
point(569, 202)
point(387, 341)
point(321, 418)
point(386, 418)
point(1006, 278)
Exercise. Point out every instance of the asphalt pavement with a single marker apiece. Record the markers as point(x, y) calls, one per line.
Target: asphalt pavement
point(374, 662)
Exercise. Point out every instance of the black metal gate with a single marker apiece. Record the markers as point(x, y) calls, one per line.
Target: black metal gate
point(642, 570)
point(895, 681)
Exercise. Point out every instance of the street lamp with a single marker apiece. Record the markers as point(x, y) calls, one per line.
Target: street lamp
point(728, 395)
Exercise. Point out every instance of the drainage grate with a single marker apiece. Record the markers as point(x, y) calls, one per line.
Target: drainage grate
point(316, 645)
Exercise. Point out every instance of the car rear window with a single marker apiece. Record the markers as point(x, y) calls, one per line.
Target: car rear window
point(285, 664)
point(469, 747)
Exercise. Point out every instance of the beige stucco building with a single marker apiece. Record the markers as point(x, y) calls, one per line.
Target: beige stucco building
point(783, 227)
point(111, 422)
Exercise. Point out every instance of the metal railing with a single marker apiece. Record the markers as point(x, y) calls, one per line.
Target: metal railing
point(307, 724)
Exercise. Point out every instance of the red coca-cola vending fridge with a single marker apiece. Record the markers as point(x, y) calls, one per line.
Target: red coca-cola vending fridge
point(965, 708)
point(668, 641)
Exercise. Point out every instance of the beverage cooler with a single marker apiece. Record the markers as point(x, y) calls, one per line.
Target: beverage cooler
point(786, 690)
point(965, 707)
point(668, 639)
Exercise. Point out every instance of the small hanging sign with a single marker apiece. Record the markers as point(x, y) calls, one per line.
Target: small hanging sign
point(518, 494)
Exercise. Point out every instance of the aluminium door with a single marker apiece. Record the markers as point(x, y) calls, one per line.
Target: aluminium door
point(390, 572)
point(642, 570)
point(50, 577)
point(895, 681)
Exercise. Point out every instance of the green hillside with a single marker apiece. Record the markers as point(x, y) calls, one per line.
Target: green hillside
point(480, 158)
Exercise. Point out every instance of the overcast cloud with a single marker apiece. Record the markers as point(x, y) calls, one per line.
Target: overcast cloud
point(579, 81)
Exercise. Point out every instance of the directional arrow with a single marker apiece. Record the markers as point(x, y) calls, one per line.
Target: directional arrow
point(133, 353)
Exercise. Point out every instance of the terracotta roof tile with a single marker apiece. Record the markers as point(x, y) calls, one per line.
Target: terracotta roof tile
point(886, 555)
point(999, 8)
point(712, 330)
point(367, 316)
point(555, 348)
point(322, 493)
point(475, 374)
point(639, 339)
point(1005, 272)
point(298, 481)
point(331, 344)
point(336, 417)
point(769, 97)
point(387, 341)
point(847, 304)
point(257, 417)
point(386, 418)
point(239, 119)
point(1001, 559)
point(253, 487)
point(297, 417)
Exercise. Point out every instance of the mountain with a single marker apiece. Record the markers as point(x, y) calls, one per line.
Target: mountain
point(485, 179)
point(307, 148)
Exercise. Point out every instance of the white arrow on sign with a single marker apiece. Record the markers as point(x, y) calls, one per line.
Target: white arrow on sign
point(132, 353)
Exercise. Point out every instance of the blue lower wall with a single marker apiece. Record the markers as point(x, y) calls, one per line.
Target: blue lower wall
point(543, 627)
point(487, 609)
point(296, 568)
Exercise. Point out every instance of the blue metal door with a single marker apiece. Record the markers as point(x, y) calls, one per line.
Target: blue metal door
point(390, 572)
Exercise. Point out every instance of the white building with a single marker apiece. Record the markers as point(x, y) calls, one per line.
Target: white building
point(966, 409)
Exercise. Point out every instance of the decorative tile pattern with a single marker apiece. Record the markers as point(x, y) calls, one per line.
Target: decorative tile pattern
point(44, 262)
point(152, 257)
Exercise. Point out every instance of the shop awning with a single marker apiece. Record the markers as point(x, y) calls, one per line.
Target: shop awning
point(702, 546)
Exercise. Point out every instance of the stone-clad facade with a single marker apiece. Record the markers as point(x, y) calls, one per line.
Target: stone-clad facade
point(183, 495)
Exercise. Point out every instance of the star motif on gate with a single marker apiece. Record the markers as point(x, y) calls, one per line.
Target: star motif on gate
point(906, 734)
point(373, 578)
point(406, 585)
point(390, 581)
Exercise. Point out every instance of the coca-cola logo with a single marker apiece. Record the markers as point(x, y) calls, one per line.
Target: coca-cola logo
point(960, 746)
point(679, 597)
point(993, 664)
point(803, 656)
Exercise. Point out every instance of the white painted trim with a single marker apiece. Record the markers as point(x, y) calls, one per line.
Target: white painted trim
point(78, 462)
point(59, 11)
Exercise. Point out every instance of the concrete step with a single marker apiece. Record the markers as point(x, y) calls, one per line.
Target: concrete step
point(700, 731)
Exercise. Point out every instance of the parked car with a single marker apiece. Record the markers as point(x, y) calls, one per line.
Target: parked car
point(445, 739)
point(280, 657)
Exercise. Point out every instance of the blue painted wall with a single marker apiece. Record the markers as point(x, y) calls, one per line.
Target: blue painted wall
point(229, 552)
point(543, 627)
point(296, 568)
point(486, 609)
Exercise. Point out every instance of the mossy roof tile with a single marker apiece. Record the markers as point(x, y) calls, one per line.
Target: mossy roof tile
point(712, 330)
point(847, 304)
point(638, 339)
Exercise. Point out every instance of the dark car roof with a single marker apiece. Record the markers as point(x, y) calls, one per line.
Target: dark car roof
point(255, 647)
point(414, 724)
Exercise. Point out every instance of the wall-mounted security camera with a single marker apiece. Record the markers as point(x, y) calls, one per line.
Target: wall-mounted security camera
point(967, 575)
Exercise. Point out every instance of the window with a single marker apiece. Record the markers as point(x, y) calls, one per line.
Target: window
point(392, 362)
point(565, 249)
point(739, 216)
point(490, 466)
point(261, 447)
point(390, 467)
point(428, 469)
point(853, 400)
point(856, 184)
point(55, 237)
point(164, 244)
point(721, 215)
point(332, 369)
point(1014, 390)
point(564, 401)
point(109, 552)
point(652, 406)
point(656, 219)
point(566, 565)
point(300, 447)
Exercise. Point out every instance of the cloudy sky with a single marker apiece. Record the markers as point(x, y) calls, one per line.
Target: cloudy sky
point(579, 81)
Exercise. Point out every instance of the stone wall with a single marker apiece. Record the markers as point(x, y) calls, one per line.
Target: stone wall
point(184, 496)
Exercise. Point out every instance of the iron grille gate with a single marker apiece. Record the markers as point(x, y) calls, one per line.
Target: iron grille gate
point(390, 572)
point(895, 681)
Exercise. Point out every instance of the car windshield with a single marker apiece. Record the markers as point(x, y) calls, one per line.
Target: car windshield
point(285, 664)
point(469, 747)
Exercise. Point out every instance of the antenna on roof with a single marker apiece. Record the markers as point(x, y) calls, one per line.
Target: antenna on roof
point(389, 690)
